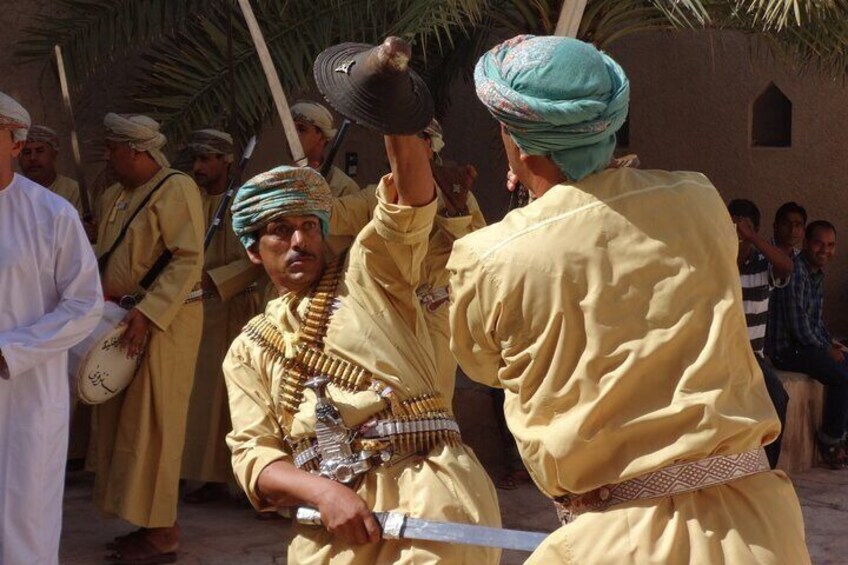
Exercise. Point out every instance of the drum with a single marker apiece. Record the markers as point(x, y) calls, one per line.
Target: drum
point(98, 366)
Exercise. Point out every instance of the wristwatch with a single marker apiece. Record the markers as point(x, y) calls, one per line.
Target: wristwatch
point(458, 214)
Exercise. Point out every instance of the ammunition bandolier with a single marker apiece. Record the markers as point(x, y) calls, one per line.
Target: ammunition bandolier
point(405, 427)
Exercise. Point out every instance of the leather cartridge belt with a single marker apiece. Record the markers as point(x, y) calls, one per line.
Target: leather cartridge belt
point(388, 441)
point(668, 481)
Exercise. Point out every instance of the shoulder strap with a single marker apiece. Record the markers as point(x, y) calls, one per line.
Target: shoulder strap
point(103, 260)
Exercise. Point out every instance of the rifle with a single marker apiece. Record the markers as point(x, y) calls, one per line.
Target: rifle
point(334, 148)
point(221, 212)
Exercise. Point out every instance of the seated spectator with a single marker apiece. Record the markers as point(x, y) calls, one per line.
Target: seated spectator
point(762, 267)
point(797, 339)
point(789, 222)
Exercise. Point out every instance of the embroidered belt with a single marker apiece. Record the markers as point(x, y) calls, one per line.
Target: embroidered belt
point(668, 481)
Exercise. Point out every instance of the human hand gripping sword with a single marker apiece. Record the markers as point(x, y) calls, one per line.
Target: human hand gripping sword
point(396, 525)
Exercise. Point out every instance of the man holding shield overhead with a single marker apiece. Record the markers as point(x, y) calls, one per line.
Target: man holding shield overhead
point(631, 388)
point(336, 398)
point(51, 300)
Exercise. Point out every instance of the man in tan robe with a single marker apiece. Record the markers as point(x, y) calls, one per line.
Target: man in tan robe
point(359, 322)
point(38, 163)
point(138, 435)
point(457, 214)
point(609, 309)
point(314, 124)
point(230, 300)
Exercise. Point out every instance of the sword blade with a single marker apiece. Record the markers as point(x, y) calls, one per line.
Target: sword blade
point(400, 526)
point(469, 534)
point(69, 111)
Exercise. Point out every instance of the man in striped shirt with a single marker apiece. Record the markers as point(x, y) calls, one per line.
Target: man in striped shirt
point(762, 266)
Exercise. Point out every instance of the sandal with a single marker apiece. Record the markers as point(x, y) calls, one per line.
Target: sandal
point(138, 550)
point(833, 455)
point(120, 540)
point(513, 479)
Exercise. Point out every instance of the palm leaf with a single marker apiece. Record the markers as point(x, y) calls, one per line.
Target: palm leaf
point(185, 75)
point(95, 33)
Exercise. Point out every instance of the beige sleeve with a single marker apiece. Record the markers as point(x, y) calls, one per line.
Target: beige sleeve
point(256, 440)
point(180, 219)
point(388, 256)
point(457, 227)
point(351, 213)
point(397, 239)
point(475, 312)
point(234, 277)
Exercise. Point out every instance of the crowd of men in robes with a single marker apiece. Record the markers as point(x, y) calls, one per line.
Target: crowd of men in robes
point(631, 389)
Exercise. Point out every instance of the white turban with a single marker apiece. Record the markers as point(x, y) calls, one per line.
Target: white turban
point(315, 114)
point(43, 134)
point(14, 117)
point(211, 141)
point(139, 132)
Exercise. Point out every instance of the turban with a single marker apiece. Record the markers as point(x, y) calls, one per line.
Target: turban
point(315, 114)
point(139, 132)
point(43, 134)
point(14, 117)
point(437, 140)
point(283, 191)
point(557, 97)
point(211, 141)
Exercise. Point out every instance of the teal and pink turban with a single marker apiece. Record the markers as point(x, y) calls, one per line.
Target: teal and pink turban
point(282, 191)
point(556, 96)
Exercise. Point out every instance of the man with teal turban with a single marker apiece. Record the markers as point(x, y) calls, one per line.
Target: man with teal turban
point(331, 387)
point(610, 312)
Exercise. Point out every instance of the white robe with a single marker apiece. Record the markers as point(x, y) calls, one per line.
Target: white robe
point(50, 299)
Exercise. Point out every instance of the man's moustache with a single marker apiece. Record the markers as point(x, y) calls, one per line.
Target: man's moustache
point(300, 256)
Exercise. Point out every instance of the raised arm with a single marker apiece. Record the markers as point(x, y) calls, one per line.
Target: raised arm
point(410, 162)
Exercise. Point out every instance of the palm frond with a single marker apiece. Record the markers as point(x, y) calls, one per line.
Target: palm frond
point(189, 73)
point(186, 76)
point(94, 33)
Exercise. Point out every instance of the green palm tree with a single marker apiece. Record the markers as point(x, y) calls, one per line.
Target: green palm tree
point(194, 62)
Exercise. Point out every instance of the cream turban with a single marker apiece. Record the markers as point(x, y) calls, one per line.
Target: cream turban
point(43, 134)
point(139, 132)
point(14, 117)
point(437, 140)
point(315, 114)
point(211, 141)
